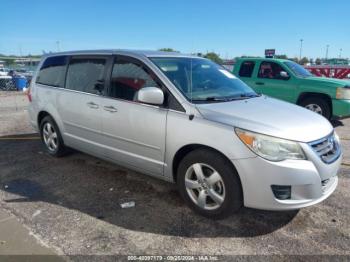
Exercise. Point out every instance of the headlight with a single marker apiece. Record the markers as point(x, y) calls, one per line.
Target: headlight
point(343, 93)
point(270, 148)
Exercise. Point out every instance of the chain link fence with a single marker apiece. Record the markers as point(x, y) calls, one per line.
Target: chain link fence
point(10, 83)
point(7, 84)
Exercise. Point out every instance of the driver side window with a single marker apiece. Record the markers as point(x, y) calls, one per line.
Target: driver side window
point(270, 70)
point(127, 78)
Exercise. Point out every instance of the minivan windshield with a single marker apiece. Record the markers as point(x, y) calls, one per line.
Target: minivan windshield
point(297, 69)
point(202, 81)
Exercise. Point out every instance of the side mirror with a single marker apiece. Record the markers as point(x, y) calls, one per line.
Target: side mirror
point(284, 75)
point(150, 95)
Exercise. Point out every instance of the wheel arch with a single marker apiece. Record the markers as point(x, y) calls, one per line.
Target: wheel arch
point(186, 149)
point(306, 95)
point(41, 116)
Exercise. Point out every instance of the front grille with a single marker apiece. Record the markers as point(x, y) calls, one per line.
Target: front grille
point(328, 148)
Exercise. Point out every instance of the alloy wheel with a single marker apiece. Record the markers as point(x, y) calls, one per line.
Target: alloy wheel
point(50, 136)
point(314, 108)
point(205, 186)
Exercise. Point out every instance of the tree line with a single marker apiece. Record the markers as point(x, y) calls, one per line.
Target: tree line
point(217, 59)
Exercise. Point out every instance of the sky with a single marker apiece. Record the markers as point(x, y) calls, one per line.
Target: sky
point(229, 27)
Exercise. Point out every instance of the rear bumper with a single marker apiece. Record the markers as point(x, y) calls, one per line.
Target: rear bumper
point(32, 118)
point(341, 108)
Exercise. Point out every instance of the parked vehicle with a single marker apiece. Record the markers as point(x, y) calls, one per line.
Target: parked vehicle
point(3, 71)
point(289, 81)
point(186, 120)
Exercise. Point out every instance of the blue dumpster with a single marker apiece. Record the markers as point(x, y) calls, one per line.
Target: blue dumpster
point(20, 82)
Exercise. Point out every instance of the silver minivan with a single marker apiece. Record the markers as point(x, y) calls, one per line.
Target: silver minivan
point(186, 120)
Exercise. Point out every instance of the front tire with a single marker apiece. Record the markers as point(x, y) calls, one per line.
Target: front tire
point(51, 137)
point(209, 184)
point(317, 105)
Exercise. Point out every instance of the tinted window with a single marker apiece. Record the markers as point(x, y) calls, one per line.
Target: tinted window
point(86, 75)
point(129, 76)
point(246, 69)
point(270, 70)
point(52, 72)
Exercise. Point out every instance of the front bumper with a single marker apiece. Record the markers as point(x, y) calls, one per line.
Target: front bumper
point(304, 176)
point(341, 108)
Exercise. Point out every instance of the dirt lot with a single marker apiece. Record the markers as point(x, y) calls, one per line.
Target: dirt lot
point(72, 205)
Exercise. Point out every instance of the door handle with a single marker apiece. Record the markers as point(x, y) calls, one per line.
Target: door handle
point(92, 105)
point(259, 83)
point(111, 109)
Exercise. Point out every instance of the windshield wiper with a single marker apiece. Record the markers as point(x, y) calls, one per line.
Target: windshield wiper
point(226, 99)
point(243, 96)
point(213, 98)
point(210, 99)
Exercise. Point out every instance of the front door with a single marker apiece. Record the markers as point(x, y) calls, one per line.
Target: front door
point(134, 133)
point(270, 82)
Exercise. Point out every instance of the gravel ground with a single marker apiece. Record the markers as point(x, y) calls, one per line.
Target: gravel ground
point(73, 205)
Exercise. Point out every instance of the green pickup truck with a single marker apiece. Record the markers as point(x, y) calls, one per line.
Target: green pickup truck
point(287, 80)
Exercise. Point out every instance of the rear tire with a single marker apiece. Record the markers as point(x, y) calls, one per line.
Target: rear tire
point(209, 184)
point(318, 105)
point(51, 137)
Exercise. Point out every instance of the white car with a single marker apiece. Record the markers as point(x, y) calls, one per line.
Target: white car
point(3, 71)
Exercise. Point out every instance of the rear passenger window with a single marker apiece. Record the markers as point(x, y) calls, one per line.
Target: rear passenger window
point(246, 69)
point(52, 72)
point(128, 77)
point(86, 75)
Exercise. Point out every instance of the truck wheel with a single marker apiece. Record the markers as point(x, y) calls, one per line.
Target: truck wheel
point(51, 137)
point(317, 105)
point(209, 184)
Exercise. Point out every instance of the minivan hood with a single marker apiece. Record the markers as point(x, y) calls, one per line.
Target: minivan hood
point(269, 116)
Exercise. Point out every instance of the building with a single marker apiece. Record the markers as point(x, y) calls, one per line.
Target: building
point(336, 61)
point(28, 62)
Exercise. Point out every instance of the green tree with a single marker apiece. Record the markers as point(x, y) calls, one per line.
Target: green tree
point(295, 59)
point(281, 56)
point(318, 61)
point(167, 49)
point(9, 61)
point(304, 61)
point(214, 57)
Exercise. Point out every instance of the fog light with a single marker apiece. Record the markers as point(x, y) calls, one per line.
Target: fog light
point(281, 192)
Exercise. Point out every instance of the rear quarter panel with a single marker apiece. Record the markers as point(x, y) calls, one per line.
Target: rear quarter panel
point(44, 99)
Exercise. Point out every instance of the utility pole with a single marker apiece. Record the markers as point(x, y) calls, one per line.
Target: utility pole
point(20, 50)
point(327, 52)
point(340, 50)
point(301, 48)
point(58, 45)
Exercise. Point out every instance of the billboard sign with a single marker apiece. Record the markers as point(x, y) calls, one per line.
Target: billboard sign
point(270, 53)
